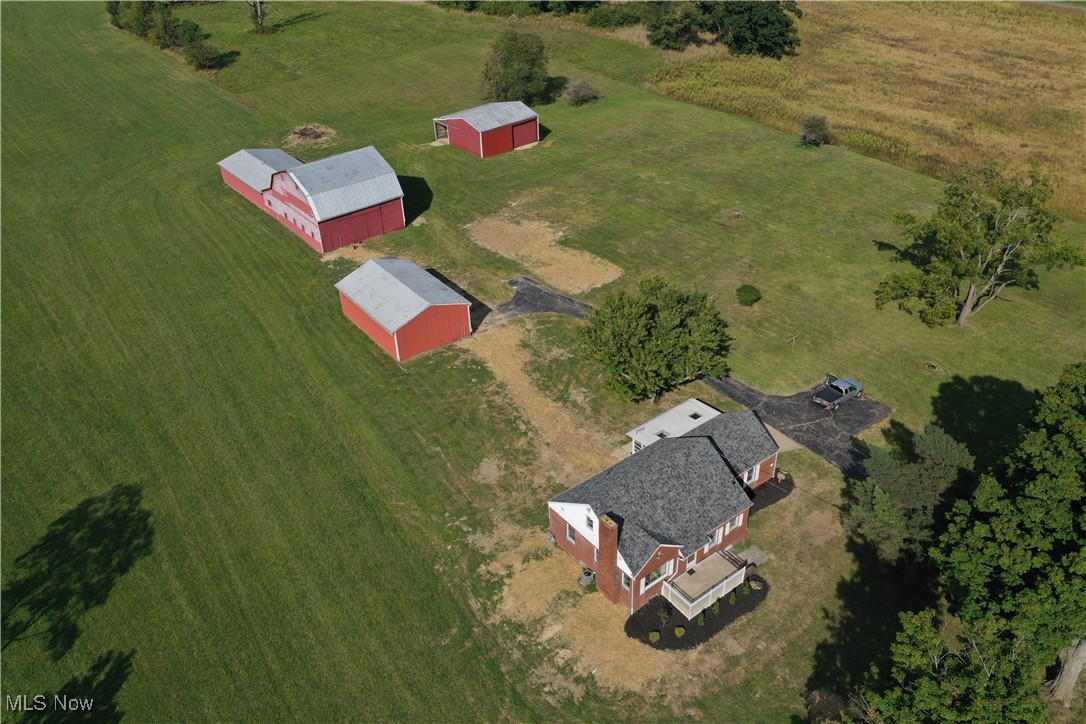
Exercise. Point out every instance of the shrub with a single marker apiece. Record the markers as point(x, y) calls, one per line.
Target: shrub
point(748, 295)
point(163, 32)
point(680, 631)
point(715, 608)
point(201, 55)
point(731, 598)
point(135, 17)
point(746, 588)
point(188, 33)
point(665, 615)
point(113, 7)
point(614, 15)
point(581, 92)
point(815, 132)
point(520, 8)
point(654, 636)
point(701, 618)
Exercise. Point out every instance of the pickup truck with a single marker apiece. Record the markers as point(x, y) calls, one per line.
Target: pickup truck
point(836, 391)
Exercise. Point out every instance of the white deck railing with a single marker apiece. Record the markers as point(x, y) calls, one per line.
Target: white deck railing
point(689, 608)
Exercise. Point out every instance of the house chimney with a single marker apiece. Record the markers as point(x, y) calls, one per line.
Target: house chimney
point(608, 574)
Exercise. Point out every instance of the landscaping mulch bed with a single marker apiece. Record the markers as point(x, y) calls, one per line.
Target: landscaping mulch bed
point(647, 619)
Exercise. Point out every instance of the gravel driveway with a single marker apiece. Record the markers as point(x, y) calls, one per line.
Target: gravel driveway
point(827, 434)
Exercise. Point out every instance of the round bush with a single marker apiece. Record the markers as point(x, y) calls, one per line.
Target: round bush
point(654, 636)
point(680, 631)
point(748, 295)
point(731, 598)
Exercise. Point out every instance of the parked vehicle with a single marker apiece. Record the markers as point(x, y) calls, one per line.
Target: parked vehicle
point(837, 391)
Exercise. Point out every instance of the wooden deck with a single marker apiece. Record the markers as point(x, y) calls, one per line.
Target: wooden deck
point(694, 591)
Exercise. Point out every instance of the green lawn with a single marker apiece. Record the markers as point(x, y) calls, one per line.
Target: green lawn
point(159, 332)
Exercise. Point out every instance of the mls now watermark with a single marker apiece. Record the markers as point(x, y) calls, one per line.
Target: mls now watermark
point(41, 702)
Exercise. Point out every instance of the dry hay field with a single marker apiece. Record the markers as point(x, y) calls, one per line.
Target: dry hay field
point(931, 86)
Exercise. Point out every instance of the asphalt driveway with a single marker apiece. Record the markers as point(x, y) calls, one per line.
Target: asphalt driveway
point(827, 434)
point(531, 297)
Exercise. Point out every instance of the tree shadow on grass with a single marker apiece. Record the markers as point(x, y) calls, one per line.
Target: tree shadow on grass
point(74, 567)
point(417, 197)
point(862, 631)
point(553, 90)
point(225, 60)
point(100, 686)
point(983, 412)
point(296, 18)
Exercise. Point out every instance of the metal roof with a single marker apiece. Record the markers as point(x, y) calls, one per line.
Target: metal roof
point(394, 291)
point(676, 422)
point(256, 166)
point(348, 182)
point(672, 493)
point(494, 115)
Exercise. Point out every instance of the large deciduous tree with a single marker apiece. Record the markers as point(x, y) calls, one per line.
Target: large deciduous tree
point(656, 337)
point(754, 28)
point(258, 14)
point(893, 508)
point(991, 230)
point(1016, 550)
point(516, 68)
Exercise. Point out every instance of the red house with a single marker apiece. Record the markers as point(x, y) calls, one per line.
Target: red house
point(403, 308)
point(660, 522)
point(491, 129)
point(337, 201)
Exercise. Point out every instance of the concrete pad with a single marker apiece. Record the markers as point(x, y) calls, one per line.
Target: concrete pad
point(755, 555)
point(784, 442)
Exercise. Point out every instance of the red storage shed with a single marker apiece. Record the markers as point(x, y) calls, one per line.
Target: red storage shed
point(491, 129)
point(403, 308)
point(337, 201)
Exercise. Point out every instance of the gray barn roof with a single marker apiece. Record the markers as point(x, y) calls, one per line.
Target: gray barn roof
point(493, 115)
point(673, 492)
point(348, 182)
point(394, 291)
point(741, 438)
point(256, 166)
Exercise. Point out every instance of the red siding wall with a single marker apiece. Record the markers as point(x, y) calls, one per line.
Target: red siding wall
point(366, 323)
point(497, 141)
point(582, 550)
point(525, 133)
point(437, 326)
point(238, 185)
point(463, 136)
point(767, 471)
point(663, 555)
point(361, 225)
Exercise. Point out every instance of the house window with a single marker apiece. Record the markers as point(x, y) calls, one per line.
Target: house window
point(713, 539)
point(752, 475)
point(596, 555)
point(589, 522)
point(571, 534)
point(625, 581)
point(734, 523)
point(655, 576)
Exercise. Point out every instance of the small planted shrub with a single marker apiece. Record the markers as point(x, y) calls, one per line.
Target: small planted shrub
point(581, 92)
point(715, 608)
point(815, 132)
point(732, 599)
point(201, 55)
point(746, 588)
point(701, 618)
point(680, 631)
point(654, 636)
point(748, 295)
point(665, 615)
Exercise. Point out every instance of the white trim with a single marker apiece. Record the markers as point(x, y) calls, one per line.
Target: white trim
point(575, 514)
point(537, 129)
point(403, 214)
point(571, 533)
point(734, 523)
point(396, 342)
point(668, 570)
point(481, 154)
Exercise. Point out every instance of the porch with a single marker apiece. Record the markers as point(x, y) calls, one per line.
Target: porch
point(695, 590)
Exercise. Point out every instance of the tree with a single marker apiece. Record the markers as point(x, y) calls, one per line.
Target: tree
point(516, 69)
point(1016, 551)
point(754, 28)
point(987, 677)
point(655, 338)
point(894, 508)
point(258, 13)
point(990, 231)
point(815, 132)
point(671, 25)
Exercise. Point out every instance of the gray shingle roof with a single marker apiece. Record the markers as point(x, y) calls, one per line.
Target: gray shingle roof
point(256, 166)
point(493, 115)
point(741, 437)
point(673, 492)
point(394, 291)
point(347, 182)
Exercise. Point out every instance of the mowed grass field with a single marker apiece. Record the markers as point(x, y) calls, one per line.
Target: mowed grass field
point(309, 499)
point(930, 86)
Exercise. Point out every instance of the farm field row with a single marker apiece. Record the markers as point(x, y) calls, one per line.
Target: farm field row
point(311, 502)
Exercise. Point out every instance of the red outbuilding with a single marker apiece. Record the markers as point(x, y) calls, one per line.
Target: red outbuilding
point(337, 201)
point(403, 308)
point(491, 129)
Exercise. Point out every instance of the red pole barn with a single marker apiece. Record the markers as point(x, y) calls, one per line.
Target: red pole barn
point(403, 308)
point(491, 129)
point(337, 201)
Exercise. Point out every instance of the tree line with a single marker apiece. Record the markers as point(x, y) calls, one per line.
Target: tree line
point(155, 22)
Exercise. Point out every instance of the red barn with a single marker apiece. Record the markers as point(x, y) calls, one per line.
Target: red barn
point(337, 201)
point(491, 129)
point(403, 308)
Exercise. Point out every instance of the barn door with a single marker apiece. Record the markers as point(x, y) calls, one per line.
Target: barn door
point(524, 133)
